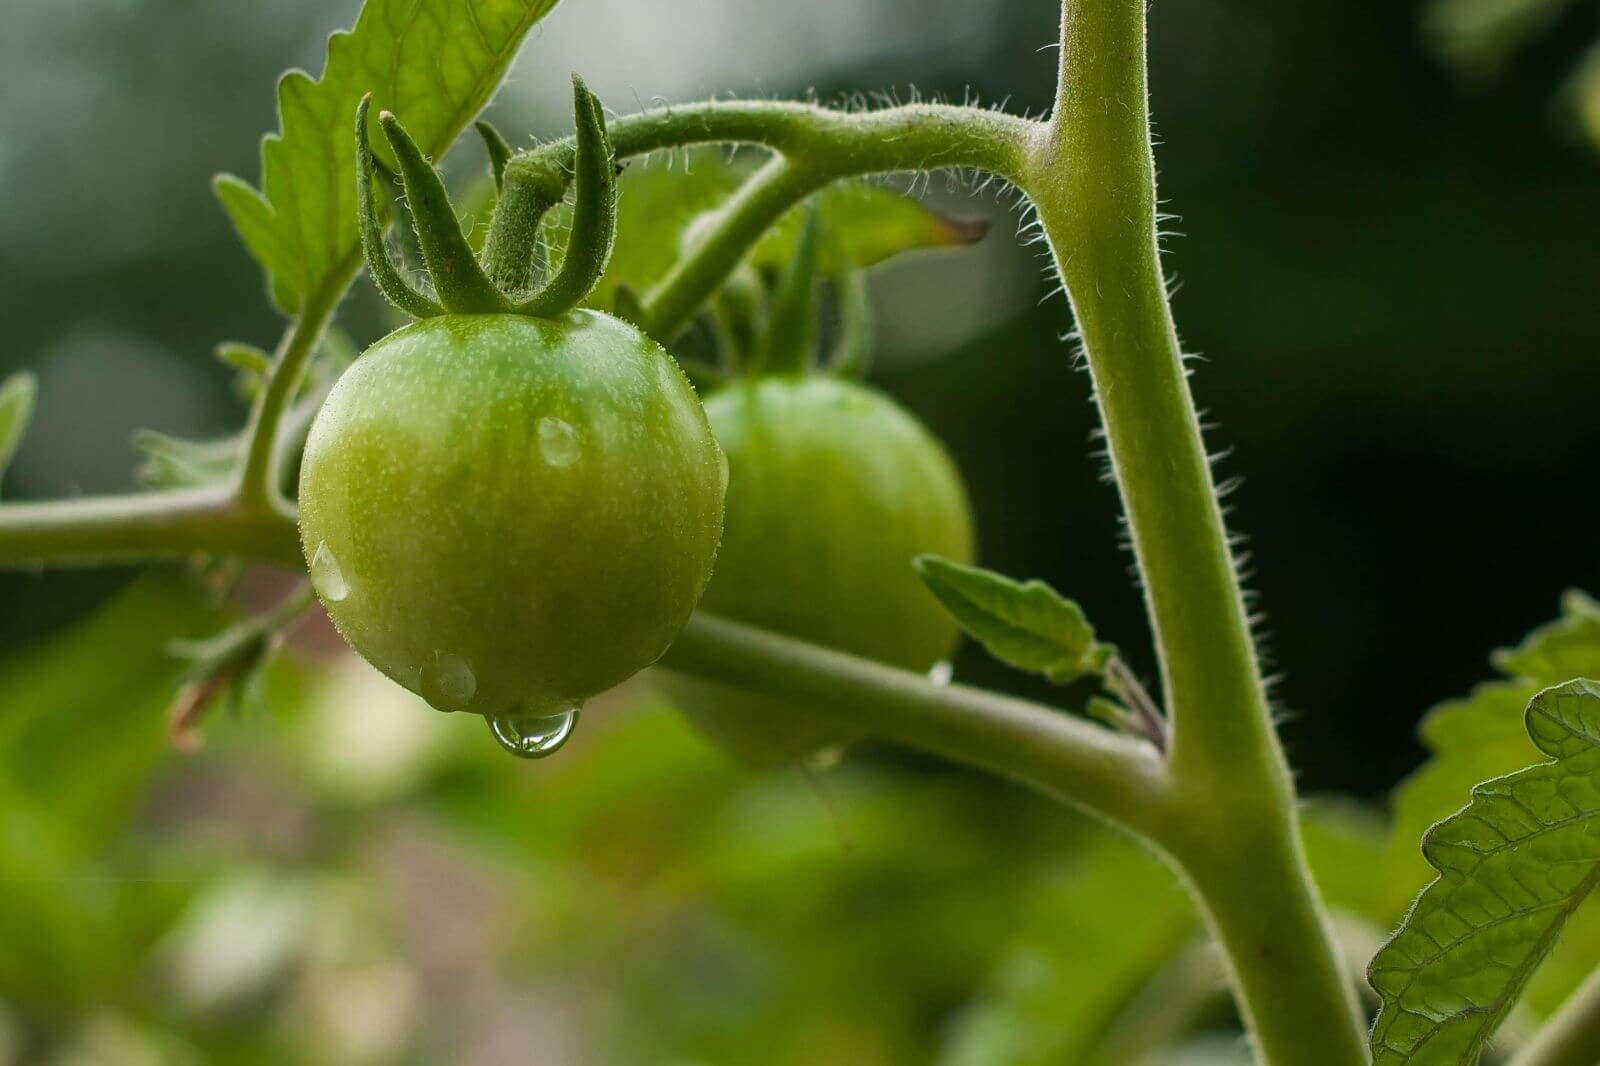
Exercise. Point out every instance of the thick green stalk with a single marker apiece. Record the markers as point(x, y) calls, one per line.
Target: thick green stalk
point(1091, 176)
point(99, 530)
point(1105, 773)
point(1572, 1036)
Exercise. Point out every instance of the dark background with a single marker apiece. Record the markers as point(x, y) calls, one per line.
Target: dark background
point(1389, 268)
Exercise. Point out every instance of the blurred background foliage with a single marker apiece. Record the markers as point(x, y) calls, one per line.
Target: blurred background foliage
point(1386, 255)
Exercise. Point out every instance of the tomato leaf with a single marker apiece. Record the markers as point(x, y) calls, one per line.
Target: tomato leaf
point(436, 63)
point(866, 224)
point(17, 394)
point(1514, 865)
point(1026, 624)
point(1482, 736)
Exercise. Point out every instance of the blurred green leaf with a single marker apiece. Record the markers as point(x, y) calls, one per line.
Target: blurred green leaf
point(1114, 918)
point(1566, 648)
point(80, 735)
point(17, 394)
point(1513, 866)
point(661, 206)
point(1027, 624)
point(1477, 36)
point(866, 224)
point(435, 63)
point(175, 463)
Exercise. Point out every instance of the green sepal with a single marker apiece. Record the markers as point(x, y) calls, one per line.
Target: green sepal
point(17, 396)
point(1024, 623)
point(594, 212)
point(1513, 867)
point(790, 346)
point(458, 279)
point(852, 353)
point(383, 271)
point(499, 150)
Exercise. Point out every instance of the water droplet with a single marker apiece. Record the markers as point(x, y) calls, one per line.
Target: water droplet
point(722, 469)
point(533, 735)
point(326, 577)
point(941, 672)
point(559, 443)
point(447, 681)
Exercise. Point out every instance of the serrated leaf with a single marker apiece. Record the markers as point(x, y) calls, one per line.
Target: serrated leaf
point(1025, 623)
point(1567, 647)
point(17, 394)
point(1514, 865)
point(436, 63)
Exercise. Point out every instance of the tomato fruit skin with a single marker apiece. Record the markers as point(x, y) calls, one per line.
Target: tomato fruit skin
point(517, 513)
point(833, 489)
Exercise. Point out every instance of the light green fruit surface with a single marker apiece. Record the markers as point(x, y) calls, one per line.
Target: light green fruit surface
point(833, 489)
point(508, 514)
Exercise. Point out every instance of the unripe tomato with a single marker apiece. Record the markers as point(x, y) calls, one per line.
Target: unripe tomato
point(833, 489)
point(508, 515)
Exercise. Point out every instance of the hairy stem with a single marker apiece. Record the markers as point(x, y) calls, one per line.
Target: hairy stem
point(1572, 1035)
point(260, 485)
point(1092, 178)
point(1075, 761)
point(100, 530)
point(813, 146)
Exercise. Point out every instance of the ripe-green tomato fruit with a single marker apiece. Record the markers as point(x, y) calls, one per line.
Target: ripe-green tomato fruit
point(507, 514)
point(833, 488)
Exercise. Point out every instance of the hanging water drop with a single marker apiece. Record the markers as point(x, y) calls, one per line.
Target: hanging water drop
point(533, 735)
point(326, 577)
point(559, 444)
point(941, 672)
point(447, 681)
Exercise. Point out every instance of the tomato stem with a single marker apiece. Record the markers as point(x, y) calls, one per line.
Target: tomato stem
point(1091, 176)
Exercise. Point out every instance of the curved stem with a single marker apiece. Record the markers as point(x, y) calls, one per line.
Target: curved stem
point(137, 528)
point(259, 488)
point(1571, 1037)
point(1079, 763)
point(1240, 845)
point(814, 145)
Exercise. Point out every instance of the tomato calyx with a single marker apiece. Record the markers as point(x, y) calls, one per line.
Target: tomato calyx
point(502, 283)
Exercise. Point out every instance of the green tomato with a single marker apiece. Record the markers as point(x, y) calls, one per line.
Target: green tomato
point(833, 489)
point(508, 515)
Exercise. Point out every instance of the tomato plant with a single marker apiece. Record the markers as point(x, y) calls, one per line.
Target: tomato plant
point(516, 501)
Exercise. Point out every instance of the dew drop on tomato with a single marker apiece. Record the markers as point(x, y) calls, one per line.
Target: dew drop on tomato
point(559, 444)
point(326, 577)
point(533, 735)
point(447, 681)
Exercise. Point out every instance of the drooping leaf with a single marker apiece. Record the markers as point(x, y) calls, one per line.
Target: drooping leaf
point(867, 223)
point(436, 63)
point(17, 394)
point(1025, 623)
point(1514, 865)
